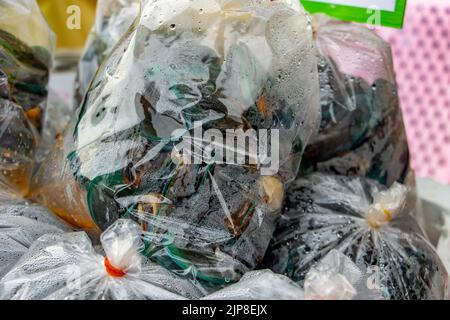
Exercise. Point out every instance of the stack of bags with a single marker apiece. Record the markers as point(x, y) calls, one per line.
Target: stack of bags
point(157, 176)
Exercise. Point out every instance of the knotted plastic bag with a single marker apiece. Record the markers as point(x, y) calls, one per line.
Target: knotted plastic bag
point(113, 19)
point(26, 46)
point(66, 267)
point(362, 130)
point(159, 135)
point(368, 223)
point(21, 223)
point(336, 277)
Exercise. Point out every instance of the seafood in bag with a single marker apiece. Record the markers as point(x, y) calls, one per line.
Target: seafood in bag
point(192, 127)
point(336, 277)
point(67, 267)
point(26, 48)
point(372, 225)
point(362, 130)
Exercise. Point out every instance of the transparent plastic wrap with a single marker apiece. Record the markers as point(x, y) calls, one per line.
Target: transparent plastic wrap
point(21, 224)
point(26, 46)
point(26, 56)
point(370, 224)
point(18, 143)
point(66, 267)
point(113, 19)
point(336, 277)
point(166, 132)
point(362, 130)
point(7, 196)
point(58, 115)
point(54, 186)
point(260, 285)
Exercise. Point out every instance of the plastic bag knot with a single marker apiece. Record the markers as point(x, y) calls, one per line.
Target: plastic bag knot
point(113, 271)
point(387, 205)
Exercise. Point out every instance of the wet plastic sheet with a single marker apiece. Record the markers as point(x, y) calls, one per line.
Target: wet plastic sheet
point(210, 67)
point(336, 277)
point(21, 224)
point(260, 285)
point(113, 19)
point(26, 46)
point(66, 267)
point(362, 130)
point(364, 221)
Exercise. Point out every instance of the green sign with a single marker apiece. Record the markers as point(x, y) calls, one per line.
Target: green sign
point(389, 13)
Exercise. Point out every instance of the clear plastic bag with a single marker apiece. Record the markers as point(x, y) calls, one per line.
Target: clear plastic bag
point(58, 115)
point(66, 267)
point(32, 29)
point(221, 68)
point(26, 47)
point(18, 143)
point(370, 224)
point(336, 277)
point(26, 50)
point(7, 196)
point(362, 130)
point(21, 224)
point(260, 285)
point(54, 186)
point(113, 19)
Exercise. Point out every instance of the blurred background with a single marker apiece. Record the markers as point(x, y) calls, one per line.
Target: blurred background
point(56, 12)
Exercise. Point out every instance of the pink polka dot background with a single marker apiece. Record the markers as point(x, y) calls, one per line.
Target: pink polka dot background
point(422, 63)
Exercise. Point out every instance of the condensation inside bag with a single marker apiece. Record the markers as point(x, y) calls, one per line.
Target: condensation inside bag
point(113, 19)
point(370, 224)
point(67, 267)
point(336, 277)
point(260, 285)
point(25, 60)
point(362, 130)
point(163, 93)
point(18, 142)
point(225, 68)
point(21, 223)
